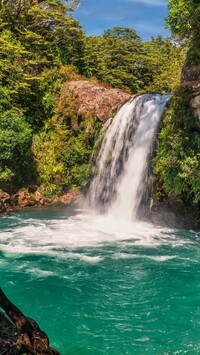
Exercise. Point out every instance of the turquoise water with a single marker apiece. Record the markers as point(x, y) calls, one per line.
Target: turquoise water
point(97, 286)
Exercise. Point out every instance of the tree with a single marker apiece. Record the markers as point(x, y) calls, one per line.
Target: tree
point(163, 61)
point(36, 36)
point(116, 58)
point(184, 17)
point(122, 60)
point(94, 57)
point(124, 52)
point(16, 165)
point(177, 161)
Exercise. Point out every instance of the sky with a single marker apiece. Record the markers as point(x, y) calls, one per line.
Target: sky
point(144, 16)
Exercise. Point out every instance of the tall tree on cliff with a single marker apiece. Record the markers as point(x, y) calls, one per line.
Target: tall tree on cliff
point(184, 22)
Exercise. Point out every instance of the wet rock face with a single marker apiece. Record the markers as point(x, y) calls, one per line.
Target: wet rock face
point(190, 79)
point(23, 198)
point(8, 335)
point(195, 105)
point(13, 341)
point(70, 198)
point(190, 73)
point(20, 334)
point(26, 198)
point(93, 97)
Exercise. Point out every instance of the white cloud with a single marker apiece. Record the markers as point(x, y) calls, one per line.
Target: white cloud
point(150, 2)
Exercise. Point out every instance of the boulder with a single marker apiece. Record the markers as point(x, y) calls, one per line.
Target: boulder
point(95, 98)
point(70, 198)
point(39, 198)
point(23, 198)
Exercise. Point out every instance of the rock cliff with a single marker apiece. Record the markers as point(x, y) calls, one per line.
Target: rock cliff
point(94, 97)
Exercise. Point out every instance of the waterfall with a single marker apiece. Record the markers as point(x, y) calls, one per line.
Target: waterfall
point(121, 185)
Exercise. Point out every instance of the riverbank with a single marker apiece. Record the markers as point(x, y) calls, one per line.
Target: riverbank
point(33, 198)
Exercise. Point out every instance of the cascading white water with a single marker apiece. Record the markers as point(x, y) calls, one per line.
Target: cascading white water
point(121, 184)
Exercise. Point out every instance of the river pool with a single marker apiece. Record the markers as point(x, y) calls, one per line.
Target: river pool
point(97, 285)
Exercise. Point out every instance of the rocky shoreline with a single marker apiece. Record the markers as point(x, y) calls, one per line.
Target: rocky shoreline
point(27, 198)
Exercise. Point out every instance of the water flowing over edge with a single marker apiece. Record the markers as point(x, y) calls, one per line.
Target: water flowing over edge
point(122, 183)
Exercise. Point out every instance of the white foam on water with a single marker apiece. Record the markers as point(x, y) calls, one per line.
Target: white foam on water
point(39, 273)
point(161, 258)
point(84, 257)
point(60, 237)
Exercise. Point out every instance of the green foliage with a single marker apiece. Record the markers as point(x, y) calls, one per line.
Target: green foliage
point(124, 50)
point(123, 61)
point(63, 148)
point(94, 57)
point(45, 28)
point(164, 59)
point(177, 163)
point(35, 38)
point(15, 150)
point(12, 55)
point(41, 46)
point(184, 17)
point(115, 58)
point(6, 177)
